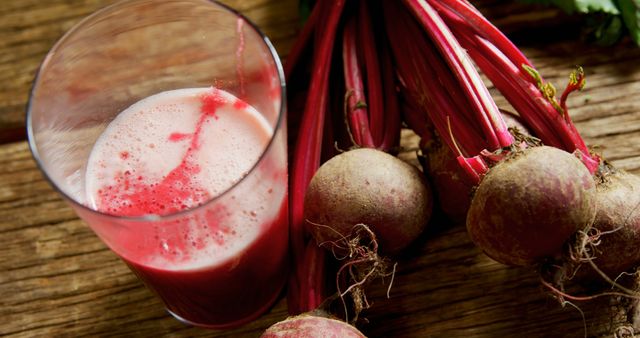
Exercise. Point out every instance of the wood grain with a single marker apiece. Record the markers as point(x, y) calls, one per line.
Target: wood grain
point(58, 279)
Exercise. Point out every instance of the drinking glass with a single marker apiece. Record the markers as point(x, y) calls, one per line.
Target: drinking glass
point(135, 49)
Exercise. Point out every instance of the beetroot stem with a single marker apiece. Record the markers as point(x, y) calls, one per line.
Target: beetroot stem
point(505, 58)
point(420, 80)
point(391, 104)
point(367, 46)
point(424, 89)
point(487, 113)
point(306, 161)
point(503, 74)
point(576, 82)
point(486, 29)
point(357, 109)
point(311, 284)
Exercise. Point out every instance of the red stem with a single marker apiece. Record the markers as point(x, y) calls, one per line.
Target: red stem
point(499, 58)
point(474, 167)
point(311, 285)
point(357, 109)
point(391, 104)
point(417, 73)
point(486, 29)
point(505, 76)
point(576, 82)
point(367, 45)
point(306, 160)
point(422, 75)
point(460, 113)
point(488, 115)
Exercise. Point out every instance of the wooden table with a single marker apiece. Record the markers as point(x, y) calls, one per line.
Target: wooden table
point(58, 279)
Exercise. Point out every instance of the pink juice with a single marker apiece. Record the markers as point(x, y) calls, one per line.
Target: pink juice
point(215, 263)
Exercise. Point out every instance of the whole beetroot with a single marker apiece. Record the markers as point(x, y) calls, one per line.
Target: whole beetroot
point(616, 227)
point(371, 187)
point(309, 325)
point(530, 204)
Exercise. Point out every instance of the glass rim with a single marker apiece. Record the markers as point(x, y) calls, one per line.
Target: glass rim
point(184, 212)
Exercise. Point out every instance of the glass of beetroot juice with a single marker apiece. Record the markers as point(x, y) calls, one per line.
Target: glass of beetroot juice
point(162, 123)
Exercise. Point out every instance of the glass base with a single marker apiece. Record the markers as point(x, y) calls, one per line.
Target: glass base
point(236, 323)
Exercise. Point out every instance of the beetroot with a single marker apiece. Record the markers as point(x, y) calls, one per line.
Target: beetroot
point(309, 325)
point(371, 187)
point(616, 229)
point(530, 204)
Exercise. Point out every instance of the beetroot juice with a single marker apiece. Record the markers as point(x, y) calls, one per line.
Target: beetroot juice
point(199, 179)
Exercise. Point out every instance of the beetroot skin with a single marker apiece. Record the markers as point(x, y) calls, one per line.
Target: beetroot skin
point(618, 221)
point(305, 325)
point(370, 187)
point(530, 204)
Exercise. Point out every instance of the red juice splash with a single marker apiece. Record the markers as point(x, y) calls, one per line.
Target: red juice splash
point(133, 196)
point(177, 137)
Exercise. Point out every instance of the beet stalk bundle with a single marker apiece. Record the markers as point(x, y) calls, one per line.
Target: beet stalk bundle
point(516, 231)
point(604, 247)
point(307, 277)
point(352, 80)
point(592, 223)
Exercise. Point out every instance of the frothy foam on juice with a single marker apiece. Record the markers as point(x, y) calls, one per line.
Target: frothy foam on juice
point(173, 151)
